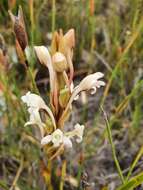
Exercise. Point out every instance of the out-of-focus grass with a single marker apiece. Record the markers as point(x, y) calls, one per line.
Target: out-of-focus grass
point(114, 30)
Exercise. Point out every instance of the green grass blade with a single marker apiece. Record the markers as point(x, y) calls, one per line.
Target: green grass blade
point(132, 183)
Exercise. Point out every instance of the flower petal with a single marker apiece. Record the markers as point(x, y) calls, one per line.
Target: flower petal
point(45, 140)
point(79, 129)
point(36, 102)
point(33, 100)
point(67, 142)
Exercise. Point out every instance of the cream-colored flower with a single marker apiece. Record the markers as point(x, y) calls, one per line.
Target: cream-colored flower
point(33, 100)
point(45, 59)
point(43, 55)
point(67, 142)
point(90, 82)
point(78, 131)
point(35, 103)
point(34, 117)
point(57, 138)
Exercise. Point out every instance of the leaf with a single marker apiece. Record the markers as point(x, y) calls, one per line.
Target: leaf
point(132, 183)
point(3, 185)
point(140, 153)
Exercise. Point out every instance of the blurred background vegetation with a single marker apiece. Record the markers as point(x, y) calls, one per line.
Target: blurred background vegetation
point(109, 38)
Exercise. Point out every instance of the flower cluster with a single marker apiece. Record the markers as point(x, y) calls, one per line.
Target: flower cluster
point(62, 94)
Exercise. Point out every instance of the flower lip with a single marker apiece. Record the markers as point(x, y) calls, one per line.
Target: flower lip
point(57, 137)
point(45, 140)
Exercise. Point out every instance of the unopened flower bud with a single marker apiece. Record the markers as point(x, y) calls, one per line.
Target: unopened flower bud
point(43, 55)
point(59, 62)
point(19, 28)
point(69, 38)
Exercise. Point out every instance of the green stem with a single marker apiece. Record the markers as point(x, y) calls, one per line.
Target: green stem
point(53, 15)
point(113, 147)
point(32, 21)
point(33, 81)
point(134, 163)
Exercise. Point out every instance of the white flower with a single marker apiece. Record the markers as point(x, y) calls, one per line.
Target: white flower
point(43, 55)
point(91, 82)
point(33, 100)
point(34, 117)
point(57, 138)
point(67, 142)
point(35, 103)
point(45, 58)
point(78, 131)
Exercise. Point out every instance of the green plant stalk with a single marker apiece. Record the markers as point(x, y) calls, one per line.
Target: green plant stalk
point(53, 15)
point(31, 2)
point(140, 153)
point(113, 147)
point(137, 114)
point(33, 81)
point(63, 175)
point(121, 60)
point(126, 100)
point(132, 183)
